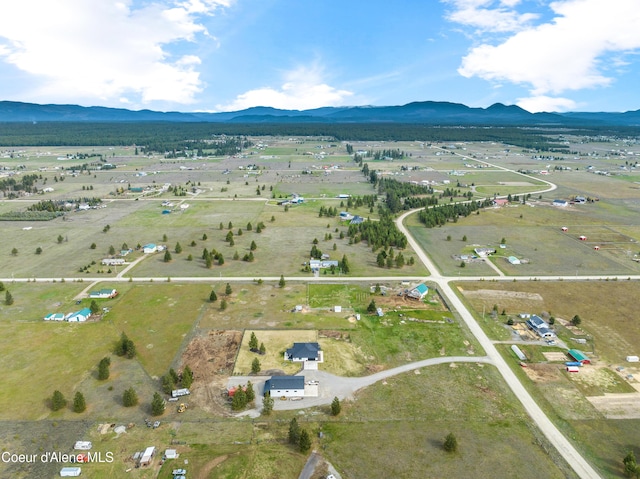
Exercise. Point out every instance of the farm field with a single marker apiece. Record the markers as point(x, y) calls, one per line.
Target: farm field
point(610, 336)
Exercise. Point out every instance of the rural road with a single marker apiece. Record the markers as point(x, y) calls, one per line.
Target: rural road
point(555, 437)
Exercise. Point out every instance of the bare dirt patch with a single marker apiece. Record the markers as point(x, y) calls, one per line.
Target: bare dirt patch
point(617, 406)
point(542, 373)
point(554, 356)
point(204, 472)
point(501, 294)
point(211, 357)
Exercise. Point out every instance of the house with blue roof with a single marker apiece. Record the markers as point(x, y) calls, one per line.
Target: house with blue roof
point(540, 327)
point(419, 292)
point(309, 354)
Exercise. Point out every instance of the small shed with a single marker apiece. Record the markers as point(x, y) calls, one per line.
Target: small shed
point(171, 454)
point(513, 260)
point(147, 456)
point(70, 471)
point(521, 356)
point(573, 369)
point(578, 356)
point(632, 359)
point(337, 309)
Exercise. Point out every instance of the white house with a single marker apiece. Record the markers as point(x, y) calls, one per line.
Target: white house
point(54, 317)
point(540, 326)
point(79, 316)
point(103, 293)
point(149, 248)
point(309, 354)
point(285, 386)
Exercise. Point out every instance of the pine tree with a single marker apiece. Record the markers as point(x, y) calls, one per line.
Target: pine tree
point(262, 349)
point(255, 366)
point(8, 298)
point(57, 401)
point(305, 441)
point(253, 246)
point(372, 307)
point(103, 369)
point(213, 297)
point(157, 405)
point(239, 401)
point(94, 307)
point(178, 248)
point(79, 404)
point(223, 304)
point(129, 398)
point(294, 432)
point(167, 256)
point(450, 443)
point(187, 377)
point(253, 342)
point(335, 406)
point(251, 395)
point(227, 289)
point(267, 404)
point(281, 283)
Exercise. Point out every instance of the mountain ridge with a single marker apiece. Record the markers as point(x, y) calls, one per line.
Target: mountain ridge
point(417, 112)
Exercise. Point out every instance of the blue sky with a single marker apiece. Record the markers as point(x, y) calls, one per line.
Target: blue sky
point(221, 55)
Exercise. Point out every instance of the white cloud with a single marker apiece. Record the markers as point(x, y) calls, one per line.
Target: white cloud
point(104, 49)
point(489, 15)
point(303, 88)
point(573, 51)
point(536, 104)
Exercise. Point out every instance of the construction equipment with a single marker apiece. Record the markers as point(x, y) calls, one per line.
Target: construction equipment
point(182, 407)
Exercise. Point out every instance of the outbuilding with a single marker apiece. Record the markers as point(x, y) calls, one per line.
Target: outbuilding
point(419, 292)
point(285, 386)
point(147, 456)
point(103, 293)
point(513, 260)
point(578, 356)
point(573, 369)
point(70, 471)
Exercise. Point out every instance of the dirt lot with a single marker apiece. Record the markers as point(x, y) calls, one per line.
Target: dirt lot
point(211, 357)
point(618, 406)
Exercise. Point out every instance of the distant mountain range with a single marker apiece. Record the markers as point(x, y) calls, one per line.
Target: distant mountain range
point(425, 112)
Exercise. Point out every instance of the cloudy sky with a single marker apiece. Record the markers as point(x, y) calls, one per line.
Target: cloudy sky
point(220, 55)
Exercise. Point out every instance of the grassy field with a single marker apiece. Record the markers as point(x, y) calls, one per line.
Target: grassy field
point(157, 317)
point(610, 340)
point(534, 235)
point(404, 432)
point(468, 400)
